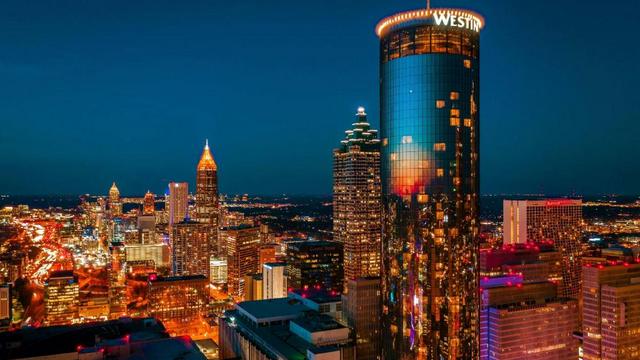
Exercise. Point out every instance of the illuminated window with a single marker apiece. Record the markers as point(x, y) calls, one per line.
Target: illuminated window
point(467, 64)
point(439, 104)
point(467, 122)
point(453, 42)
point(440, 172)
point(385, 142)
point(454, 95)
point(393, 156)
point(408, 139)
point(406, 44)
point(439, 147)
point(454, 121)
point(438, 41)
point(455, 112)
point(423, 40)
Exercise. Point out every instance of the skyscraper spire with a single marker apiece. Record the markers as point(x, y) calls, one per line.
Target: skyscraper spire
point(206, 160)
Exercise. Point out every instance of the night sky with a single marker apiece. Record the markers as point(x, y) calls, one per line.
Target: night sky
point(97, 91)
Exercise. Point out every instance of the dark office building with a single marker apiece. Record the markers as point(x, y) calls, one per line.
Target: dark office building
point(314, 263)
point(429, 120)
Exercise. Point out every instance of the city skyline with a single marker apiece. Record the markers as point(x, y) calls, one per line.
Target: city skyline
point(91, 82)
point(410, 258)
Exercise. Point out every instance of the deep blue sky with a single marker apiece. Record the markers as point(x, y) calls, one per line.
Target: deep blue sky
point(96, 91)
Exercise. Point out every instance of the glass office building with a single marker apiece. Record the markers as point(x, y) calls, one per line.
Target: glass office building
point(429, 118)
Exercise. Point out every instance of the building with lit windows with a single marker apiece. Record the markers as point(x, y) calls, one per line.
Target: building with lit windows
point(207, 188)
point(274, 280)
point(312, 263)
point(356, 199)
point(242, 245)
point(361, 309)
point(611, 311)
point(61, 298)
point(526, 321)
point(191, 248)
point(117, 280)
point(157, 253)
point(149, 204)
point(178, 202)
point(218, 271)
point(178, 300)
point(556, 220)
point(429, 126)
point(267, 253)
point(5, 306)
point(115, 205)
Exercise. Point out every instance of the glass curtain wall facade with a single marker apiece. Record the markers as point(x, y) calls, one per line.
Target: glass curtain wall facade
point(429, 114)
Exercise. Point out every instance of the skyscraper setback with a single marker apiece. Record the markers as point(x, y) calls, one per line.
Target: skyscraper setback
point(356, 199)
point(429, 120)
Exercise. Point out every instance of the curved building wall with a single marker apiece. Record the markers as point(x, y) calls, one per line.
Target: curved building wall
point(429, 93)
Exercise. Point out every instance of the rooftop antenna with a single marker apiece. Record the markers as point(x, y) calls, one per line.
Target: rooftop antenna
point(428, 5)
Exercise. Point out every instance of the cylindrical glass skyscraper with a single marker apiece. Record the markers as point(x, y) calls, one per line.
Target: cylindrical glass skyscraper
point(429, 117)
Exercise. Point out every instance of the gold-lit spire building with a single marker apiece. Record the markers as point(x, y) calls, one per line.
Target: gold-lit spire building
point(207, 188)
point(149, 204)
point(114, 200)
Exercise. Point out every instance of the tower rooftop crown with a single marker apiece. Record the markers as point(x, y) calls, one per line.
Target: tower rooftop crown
point(206, 160)
point(457, 18)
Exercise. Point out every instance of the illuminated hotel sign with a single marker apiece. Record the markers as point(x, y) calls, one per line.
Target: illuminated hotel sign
point(457, 19)
point(463, 19)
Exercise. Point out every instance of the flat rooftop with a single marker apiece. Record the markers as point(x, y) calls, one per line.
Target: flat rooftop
point(47, 341)
point(314, 322)
point(272, 308)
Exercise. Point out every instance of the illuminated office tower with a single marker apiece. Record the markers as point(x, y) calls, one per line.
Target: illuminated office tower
point(61, 297)
point(267, 253)
point(557, 220)
point(429, 125)
point(526, 321)
point(315, 264)
point(149, 204)
point(117, 285)
point(361, 309)
point(115, 206)
point(116, 271)
point(178, 202)
point(207, 188)
point(242, 246)
point(274, 280)
point(178, 300)
point(5, 306)
point(611, 311)
point(356, 199)
point(146, 226)
point(218, 271)
point(158, 254)
point(191, 248)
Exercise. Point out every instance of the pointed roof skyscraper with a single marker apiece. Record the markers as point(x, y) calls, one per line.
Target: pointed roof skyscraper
point(206, 159)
